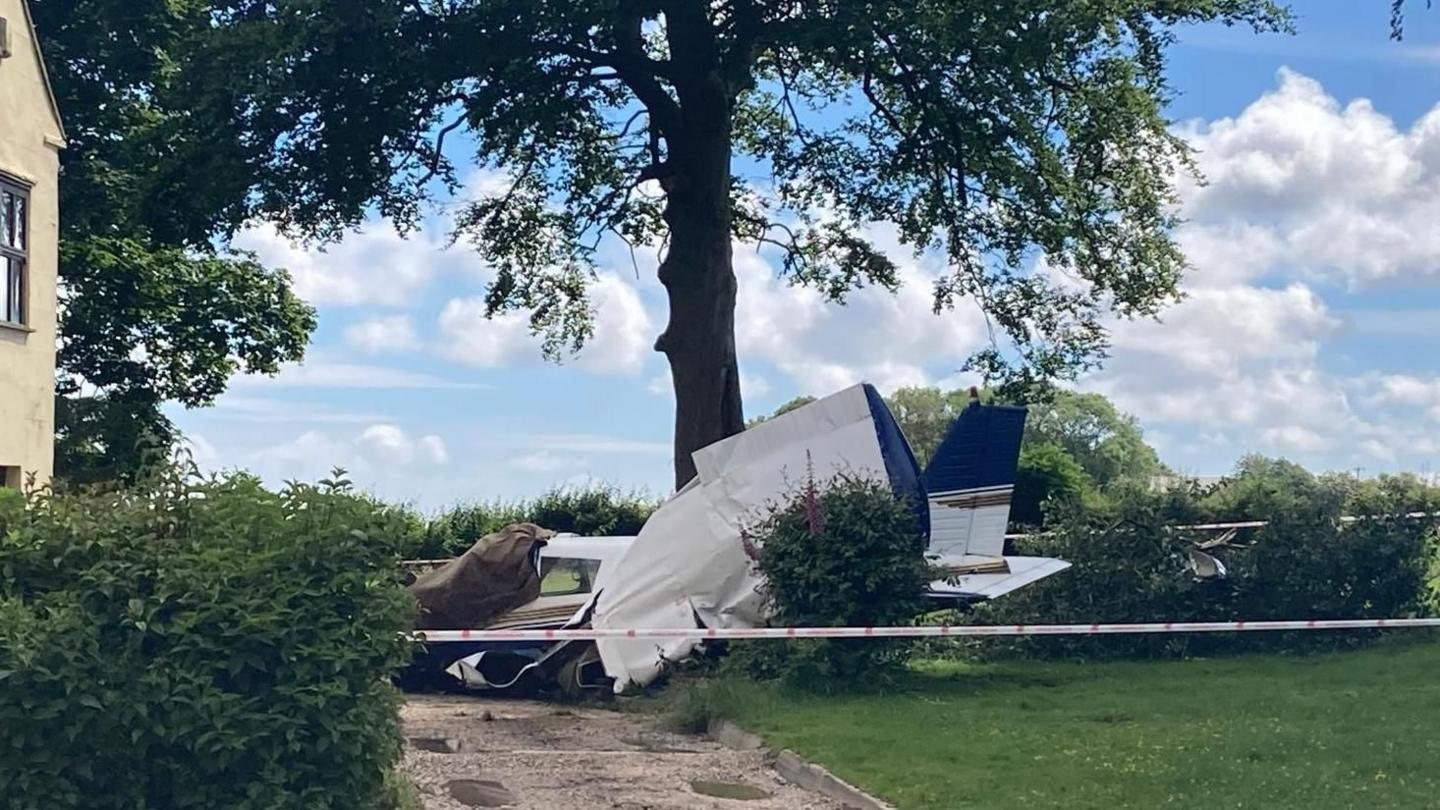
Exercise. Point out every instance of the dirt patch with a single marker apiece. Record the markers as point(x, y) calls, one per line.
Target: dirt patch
point(548, 758)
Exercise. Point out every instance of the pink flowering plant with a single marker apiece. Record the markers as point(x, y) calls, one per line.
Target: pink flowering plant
point(845, 552)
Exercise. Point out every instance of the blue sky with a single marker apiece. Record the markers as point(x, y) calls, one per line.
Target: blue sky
point(1308, 330)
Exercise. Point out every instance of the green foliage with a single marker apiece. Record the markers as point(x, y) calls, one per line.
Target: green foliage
point(989, 132)
point(1130, 563)
point(786, 407)
point(1046, 476)
point(592, 512)
point(150, 310)
point(189, 643)
point(1108, 444)
point(925, 415)
point(845, 554)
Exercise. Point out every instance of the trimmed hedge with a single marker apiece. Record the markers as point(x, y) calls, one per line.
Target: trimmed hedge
point(191, 643)
point(595, 511)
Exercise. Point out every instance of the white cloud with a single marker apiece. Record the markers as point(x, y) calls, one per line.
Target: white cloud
point(433, 448)
point(1302, 191)
point(471, 338)
point(1406, 389)
point(1297, 438)
point(1319, 189)
point(388, 443)
point(326, 374)
point(373, 265)
point(886, 339)
point(395, 333)
point(376, 449)
point(201, 450)
point(624, 332)
point(546, 461)
point(241, 408)
point(753, 386)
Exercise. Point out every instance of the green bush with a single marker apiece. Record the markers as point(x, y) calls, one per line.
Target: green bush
point(848, 553)
point(1045, 475)
point(200, 643)
point(1130, 564)
point(596, 511)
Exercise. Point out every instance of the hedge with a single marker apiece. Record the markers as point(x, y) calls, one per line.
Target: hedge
point(192, 643)
point(1130, 564)
point(595, 511)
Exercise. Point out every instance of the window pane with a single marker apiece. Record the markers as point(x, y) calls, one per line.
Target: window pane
point(12, 295)
point(21, 221)
point(7, 219)
point(12, 219)
point(567, 577)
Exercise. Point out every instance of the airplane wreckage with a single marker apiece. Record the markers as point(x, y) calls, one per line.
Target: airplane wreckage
point(688, 568)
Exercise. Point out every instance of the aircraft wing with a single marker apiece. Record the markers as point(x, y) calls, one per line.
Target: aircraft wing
point(1003, 575)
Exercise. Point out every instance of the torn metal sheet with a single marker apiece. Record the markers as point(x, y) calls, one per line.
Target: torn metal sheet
point(688, 566)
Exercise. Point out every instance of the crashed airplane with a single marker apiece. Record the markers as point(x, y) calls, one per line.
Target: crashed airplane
point(687, 568)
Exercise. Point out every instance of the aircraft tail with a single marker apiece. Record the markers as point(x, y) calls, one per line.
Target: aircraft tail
point(970, 481)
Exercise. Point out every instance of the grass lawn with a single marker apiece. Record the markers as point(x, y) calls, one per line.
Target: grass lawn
point(1357, 729)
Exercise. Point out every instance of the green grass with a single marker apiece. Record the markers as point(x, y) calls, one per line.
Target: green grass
point(1356, 729)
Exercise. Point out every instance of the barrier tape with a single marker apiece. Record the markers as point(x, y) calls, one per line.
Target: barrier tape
point(934, 631)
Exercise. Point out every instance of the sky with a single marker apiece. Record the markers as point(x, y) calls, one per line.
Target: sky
point(1307, 331)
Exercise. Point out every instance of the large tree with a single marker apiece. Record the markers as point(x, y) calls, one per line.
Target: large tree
point(150, 310)
point(1106, 442)
point(992, 132)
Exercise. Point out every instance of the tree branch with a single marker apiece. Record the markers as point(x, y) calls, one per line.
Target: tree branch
point(641, 73)
point(437, 155)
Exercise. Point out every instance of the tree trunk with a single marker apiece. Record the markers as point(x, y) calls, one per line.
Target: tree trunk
point(699, 340)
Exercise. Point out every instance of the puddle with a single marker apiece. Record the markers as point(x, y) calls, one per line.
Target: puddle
point(729, 790)
point(478, 793)
point(436, 745)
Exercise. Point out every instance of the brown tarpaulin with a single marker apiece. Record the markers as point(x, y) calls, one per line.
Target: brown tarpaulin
point(495, 576)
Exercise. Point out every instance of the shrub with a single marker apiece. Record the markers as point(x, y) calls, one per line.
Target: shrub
point(1130, 564)
point(601, 510)
point(189, 643)
point(848, 553)
point(1045, 474)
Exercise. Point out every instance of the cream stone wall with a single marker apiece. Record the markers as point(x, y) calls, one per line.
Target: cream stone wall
point(30, 139)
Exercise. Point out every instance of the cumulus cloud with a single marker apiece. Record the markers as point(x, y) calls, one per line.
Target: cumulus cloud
point(887, 339)
point(624, 332)
point(390, 444)
point(1305, 193)
point(1302, 191)
point(395, 333)
point(373, 265)
point(377, 447)
point(1318, 189)
point(1407, 390)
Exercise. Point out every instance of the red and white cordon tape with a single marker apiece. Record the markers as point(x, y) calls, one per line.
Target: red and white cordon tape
point(933, 631)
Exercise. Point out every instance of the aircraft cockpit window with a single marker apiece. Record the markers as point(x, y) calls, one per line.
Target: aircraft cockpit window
point(565, 577)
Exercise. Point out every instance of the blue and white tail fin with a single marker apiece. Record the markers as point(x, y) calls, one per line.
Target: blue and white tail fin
point(969, 483)
point(971, 479)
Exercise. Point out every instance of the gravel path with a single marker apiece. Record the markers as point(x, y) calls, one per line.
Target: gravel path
point(474, 752)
